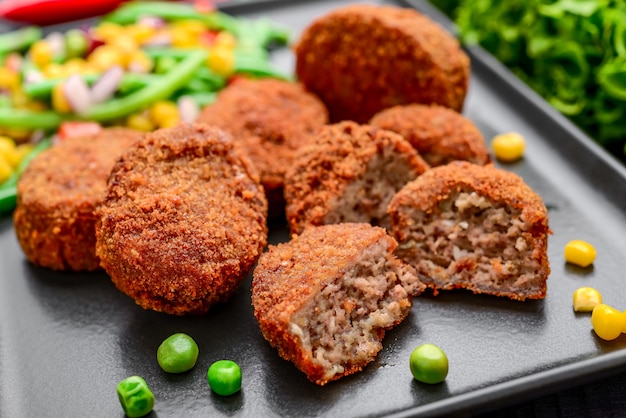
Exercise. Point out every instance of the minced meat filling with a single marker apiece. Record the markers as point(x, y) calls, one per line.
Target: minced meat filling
point(342, 324)
point(473, 241)
point(366, 199)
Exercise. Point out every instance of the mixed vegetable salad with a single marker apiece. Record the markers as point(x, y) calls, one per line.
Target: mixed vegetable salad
point(573, 53)
point(146, 65)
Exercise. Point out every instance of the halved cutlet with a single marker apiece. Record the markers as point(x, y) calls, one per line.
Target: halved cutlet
point(325, 298)
point(475, 227)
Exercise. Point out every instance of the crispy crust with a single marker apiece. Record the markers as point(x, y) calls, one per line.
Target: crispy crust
point(501, 187)
point(414, 61)
point(439, 134)
point(339, 156)
point(56, 197)
point(184, 220)
point(270, 119)
point(289, 275)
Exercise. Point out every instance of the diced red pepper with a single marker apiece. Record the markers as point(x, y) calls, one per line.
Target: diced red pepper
point(204, 6)
point(47, 12)
point(207, 38)
point(74, 129)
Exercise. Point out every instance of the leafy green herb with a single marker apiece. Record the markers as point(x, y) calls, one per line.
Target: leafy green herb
point(572, 52)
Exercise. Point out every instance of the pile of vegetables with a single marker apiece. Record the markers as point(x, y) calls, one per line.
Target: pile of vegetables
point(146, 65)
point(572, 52)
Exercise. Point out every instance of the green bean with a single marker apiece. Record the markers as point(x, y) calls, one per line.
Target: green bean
point(8, 199)
point(19, 39)
point(19, 118)
point(258, 68)
point(164, 88)
point(130, 82)
point(130, 12)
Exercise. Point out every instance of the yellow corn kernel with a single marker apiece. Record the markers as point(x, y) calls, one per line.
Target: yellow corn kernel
point(225, 39)
point(164, 113)
point(579, 252)
point(586, 298)
point(75, 66)
point(36, 106)
point(140, 33)
point(59, 100)
point(5, 169)
point(105, 57)
point(107, 31)
point(182, 38)
point(41, 53)
point(9, 79)
point(140, 62)
point(53, 70)
point(17, 133)
point(169, 121)
point(125, 46)
point(194, 27)
point(508, 147)
point(607, 322)
point(141, 122)
point(222, 60)
point(8, 151)
point(19, 99)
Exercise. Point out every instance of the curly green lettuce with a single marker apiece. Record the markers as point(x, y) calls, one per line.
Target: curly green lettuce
point(571, 52)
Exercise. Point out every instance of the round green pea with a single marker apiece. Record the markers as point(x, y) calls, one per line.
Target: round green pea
point(429, 364)
point(178, 353)
point(136, 398)
point(224, 377)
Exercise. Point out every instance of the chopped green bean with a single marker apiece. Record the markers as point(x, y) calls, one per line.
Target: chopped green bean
point(167, 85)
point(19, 118)
point(8, 199)
point(19, 39)
point(258, 68)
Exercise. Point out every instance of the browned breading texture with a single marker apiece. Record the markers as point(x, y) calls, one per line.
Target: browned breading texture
point(438, 133)
point(56, 197)
point(338, 156)
point(290, 275)
point(360, 59)
point(438, 183)
point(270, 119)
point(184, 220)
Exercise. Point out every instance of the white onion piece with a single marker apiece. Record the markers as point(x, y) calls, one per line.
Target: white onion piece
point(151, 21)
point(107, 84)
point(77, 94)
point(56, 41)
point(188, 109)
point(160, 39)
point(33, 77)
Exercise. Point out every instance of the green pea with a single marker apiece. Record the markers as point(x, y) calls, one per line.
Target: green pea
point(177, 353)
point(429, 364)
point(224, 377)
point(136, 398)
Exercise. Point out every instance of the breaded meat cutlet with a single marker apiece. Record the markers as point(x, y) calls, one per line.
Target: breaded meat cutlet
point(57, 195)
point(361, 59)
point(270, 119)
point(183, 220)
point(438, 133)
point(349, 173)
point(476, 227)
point(325, 298)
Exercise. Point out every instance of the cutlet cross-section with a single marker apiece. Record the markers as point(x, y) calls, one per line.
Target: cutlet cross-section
point(349, 173)
point(325, 298)
point(480, 228)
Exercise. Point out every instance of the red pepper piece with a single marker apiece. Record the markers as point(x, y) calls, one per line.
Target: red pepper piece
point(47, 12)
point(74, 129)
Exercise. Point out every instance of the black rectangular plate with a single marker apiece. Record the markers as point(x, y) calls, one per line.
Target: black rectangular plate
point(67, 339)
